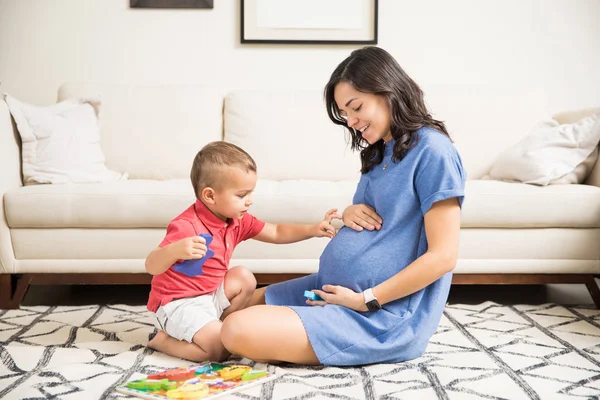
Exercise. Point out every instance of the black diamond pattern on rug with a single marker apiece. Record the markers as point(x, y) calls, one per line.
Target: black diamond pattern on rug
point(485, 351)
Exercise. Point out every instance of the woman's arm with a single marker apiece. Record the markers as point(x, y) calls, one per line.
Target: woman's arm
point(442, 228)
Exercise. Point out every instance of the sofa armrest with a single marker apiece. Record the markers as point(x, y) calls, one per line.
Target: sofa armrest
point(10, 178)
point(594, 176)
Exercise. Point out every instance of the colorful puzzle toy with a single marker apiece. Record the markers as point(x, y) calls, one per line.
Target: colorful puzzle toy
point(203, 381)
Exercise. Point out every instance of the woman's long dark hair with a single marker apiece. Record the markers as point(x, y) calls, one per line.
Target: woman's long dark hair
point(374, 70)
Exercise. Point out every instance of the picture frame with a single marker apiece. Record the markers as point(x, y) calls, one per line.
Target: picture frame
point(309, 21)
point(171, 3)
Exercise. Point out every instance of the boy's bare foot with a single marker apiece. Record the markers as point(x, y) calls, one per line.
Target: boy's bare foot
point(157, 340)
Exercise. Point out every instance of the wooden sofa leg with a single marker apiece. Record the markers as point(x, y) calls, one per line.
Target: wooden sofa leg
point(12, 290)
point(592, 287)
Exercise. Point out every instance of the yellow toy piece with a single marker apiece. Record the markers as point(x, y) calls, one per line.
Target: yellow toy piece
point(189, 391)
point(234, 371)
point(210, 378)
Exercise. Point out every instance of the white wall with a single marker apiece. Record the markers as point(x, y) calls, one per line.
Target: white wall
point(545, 46)
point(491, 69)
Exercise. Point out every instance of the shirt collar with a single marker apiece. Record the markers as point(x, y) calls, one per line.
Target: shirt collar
point(210, 220)
point(389, 147)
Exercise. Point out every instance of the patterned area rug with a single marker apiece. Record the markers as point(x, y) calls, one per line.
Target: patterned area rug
point(484, 351)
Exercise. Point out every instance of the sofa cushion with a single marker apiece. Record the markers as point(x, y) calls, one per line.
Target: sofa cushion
point(485, 120)
point(300, 201)
point(61, 143)
point(495, 204)
point(153, 204)
point(551, 153)
point(289, 135)
point(490, 250)
point(121, 204)
point(153, 132)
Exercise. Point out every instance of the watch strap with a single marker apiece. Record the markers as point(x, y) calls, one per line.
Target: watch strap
point(371, 301)
point(369, 296)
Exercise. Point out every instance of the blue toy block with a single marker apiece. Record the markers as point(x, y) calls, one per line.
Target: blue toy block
point(194, 267)
point(312, 295)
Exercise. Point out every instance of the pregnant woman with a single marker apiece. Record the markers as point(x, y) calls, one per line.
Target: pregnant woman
point(385, 277)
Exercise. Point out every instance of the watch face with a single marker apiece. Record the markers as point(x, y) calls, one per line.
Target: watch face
point(373, 305)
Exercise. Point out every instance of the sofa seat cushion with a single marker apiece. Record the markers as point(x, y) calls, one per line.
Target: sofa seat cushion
point(495, 204)
point(300, 201)
point(133, 203)
point(153, 204)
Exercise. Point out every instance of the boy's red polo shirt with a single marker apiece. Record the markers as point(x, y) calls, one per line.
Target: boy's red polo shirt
point(197, 219)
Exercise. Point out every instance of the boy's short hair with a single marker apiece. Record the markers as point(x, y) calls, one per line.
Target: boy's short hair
point(212, 159)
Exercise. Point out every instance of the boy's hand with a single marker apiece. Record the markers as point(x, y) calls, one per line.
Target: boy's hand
point(324, 228)
point(189, 248)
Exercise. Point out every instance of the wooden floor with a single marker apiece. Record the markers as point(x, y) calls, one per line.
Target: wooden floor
point(464, 294)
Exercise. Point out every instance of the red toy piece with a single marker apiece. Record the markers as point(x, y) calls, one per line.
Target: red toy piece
point(177, 374)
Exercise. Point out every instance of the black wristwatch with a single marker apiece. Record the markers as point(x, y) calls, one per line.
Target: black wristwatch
point(371, 301)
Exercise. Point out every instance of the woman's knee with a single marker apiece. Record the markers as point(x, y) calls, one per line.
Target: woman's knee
point(232, 331)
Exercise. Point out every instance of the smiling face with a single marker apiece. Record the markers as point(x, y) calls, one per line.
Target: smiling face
point(366, 113)
point(233, 198)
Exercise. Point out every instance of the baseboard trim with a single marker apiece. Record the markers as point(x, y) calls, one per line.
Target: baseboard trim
point(13, 287)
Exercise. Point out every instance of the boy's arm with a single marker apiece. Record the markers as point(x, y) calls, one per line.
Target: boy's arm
point(161, 259)
point(287, 233)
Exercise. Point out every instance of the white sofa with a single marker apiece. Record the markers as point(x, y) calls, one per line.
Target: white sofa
point(102, 232)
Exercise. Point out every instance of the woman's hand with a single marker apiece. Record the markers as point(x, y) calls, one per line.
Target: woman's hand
point(332, 294)
point(359, 216)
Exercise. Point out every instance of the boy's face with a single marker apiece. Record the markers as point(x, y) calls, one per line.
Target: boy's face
point(234, 198)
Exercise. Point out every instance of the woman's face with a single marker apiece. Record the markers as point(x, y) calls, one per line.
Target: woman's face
point(366, 113)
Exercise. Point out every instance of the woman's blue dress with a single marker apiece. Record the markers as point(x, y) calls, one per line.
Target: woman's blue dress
point(401, 194)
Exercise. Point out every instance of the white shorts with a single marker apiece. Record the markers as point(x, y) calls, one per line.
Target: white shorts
point(182, 318)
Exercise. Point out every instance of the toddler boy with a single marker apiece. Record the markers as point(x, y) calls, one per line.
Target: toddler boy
point(190, 309)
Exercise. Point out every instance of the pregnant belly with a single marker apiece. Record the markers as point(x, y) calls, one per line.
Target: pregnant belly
point(352, 259)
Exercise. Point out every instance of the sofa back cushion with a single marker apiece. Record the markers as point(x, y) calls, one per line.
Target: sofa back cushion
point(289, 135)
point(571, 117)
point(484, 122)
point(153, 132)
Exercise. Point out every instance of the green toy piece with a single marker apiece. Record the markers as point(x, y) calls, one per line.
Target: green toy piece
point(217, 367)
point(169, 385)
point(145, 385)
point(254, 374)
point(151, 385)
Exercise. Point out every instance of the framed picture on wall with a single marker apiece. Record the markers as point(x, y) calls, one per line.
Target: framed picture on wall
point(171, 3)
point(309, 21)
